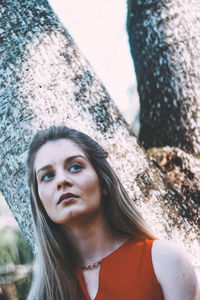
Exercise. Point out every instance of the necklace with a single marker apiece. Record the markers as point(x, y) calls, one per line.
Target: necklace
point(96, 264)
point(90, 266)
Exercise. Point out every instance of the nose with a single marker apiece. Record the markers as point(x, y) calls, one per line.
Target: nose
point(63, 181)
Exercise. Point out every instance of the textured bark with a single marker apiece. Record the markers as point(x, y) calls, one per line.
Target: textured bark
point(45, 80)
point(164, 37)
point(182, 173)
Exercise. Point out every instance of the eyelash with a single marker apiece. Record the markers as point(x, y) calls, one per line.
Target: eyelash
point(52, 173)
point(47, 173)
point(76, 165)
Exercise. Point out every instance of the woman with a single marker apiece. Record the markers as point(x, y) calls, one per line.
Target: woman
point(92, 243)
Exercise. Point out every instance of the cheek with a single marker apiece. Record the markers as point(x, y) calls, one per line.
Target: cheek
point(40, 192)
point(44, 196)
point(91, 185)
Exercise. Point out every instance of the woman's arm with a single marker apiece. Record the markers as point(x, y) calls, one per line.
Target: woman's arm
point(174, 272)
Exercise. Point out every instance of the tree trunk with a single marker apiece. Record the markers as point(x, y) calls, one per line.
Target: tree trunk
point(45, 80)
point(164, 37)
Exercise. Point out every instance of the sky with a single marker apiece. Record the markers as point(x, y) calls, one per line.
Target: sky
point(99, 29)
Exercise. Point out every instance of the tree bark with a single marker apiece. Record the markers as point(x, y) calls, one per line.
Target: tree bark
point(164, 38)
point(45, 80)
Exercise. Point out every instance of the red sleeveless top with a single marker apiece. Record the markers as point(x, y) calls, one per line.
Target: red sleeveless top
point(126, 274)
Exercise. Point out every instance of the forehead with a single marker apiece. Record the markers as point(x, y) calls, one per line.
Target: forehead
point(54, 151)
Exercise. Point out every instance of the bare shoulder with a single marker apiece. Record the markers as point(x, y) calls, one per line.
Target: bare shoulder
point(174, 271)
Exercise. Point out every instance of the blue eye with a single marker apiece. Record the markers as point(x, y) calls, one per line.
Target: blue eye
point(75, 168)
point(47, 176)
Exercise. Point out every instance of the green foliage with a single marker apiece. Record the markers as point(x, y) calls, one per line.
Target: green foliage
point(23, 285)
point(14, 250)
point(4, 258)
point(14, 244)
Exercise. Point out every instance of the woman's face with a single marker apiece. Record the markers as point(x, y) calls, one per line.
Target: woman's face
point(68, 185)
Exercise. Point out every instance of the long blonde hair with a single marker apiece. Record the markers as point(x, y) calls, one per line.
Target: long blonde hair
point(55, 278)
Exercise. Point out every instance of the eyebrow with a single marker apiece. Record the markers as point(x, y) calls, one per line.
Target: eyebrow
point(66, 161)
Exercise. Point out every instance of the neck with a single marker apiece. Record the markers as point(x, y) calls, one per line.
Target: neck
point(94, 241)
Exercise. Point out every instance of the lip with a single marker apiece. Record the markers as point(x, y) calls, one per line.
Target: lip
point(67, 197)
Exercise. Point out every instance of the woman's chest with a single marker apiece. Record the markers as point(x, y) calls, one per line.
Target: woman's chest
point(126, 274)
point(91, 281)
point(103, 284)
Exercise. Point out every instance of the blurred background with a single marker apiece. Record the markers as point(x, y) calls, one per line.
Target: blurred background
point(15, 257)
point(99, 29)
